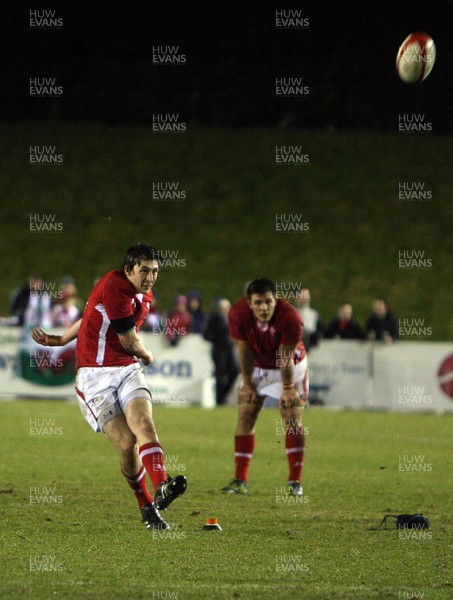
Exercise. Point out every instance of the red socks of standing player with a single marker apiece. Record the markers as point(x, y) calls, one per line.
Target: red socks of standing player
point(243, 451)
point(295, 447)
point(138, 486)
point(152, 457)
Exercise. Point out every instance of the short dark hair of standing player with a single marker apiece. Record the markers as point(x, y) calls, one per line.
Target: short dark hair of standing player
point(260, 286)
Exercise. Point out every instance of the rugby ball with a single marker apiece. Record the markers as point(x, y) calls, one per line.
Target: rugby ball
point(416, 57)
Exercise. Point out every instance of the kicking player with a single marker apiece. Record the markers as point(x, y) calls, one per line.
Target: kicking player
point(268, 336)
point(110, 385)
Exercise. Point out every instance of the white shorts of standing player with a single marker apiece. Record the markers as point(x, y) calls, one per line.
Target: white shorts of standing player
point(104, 392)
point(268, 382)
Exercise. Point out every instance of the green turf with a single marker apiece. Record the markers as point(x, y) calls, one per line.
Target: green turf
point(330, 545)
point(225, 229)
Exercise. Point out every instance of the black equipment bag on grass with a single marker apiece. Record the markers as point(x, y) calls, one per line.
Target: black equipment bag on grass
point(417, 521)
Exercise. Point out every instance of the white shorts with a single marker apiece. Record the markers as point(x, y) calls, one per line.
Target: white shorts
point(104, 392)
point(268, 382)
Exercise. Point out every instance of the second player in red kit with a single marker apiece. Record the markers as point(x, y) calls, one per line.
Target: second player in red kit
point(268, 335)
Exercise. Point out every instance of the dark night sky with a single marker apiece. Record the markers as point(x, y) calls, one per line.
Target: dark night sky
point(103, 58)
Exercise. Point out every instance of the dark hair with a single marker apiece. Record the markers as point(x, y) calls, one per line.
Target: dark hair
point(260, 286)
point(136, 254)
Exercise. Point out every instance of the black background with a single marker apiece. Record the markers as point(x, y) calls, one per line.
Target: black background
point(103, 59)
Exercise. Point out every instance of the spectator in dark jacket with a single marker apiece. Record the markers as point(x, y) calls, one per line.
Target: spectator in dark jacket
point(194, 307)
point(382, 324)
point(344, 326)
point(223, 350)
point(20, 297)
point(32, 303)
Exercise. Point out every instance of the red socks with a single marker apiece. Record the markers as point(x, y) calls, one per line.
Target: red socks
point(243, 446)
point(295, 447)
point(138, 486)
point(152, 457)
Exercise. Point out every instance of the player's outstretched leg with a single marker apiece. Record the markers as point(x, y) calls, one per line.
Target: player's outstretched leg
point(244, 445)
point(167, 489)
point(118, 432)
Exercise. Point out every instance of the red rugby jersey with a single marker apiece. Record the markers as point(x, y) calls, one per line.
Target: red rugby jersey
point(113, 297)
point(285, 327)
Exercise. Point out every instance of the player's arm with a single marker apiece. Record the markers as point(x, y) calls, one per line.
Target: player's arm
point(129, 340)
point(247, 392)
point(46, 339)
point(246, 360)
point(290, 397)
point(286, 360)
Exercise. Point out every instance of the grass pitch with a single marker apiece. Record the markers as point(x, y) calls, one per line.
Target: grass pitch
point(71, 528)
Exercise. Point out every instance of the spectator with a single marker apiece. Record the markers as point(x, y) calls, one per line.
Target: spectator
point(66, 312)
point(20, 297)
point(194, 307)
point(382, 324)
point(31, 303)
point(344, 326)
point(67, 285)
point(313, 326)
point(223, 351)
point(178, 321)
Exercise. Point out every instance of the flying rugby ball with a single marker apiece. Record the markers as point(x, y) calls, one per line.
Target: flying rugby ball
point(416, 57)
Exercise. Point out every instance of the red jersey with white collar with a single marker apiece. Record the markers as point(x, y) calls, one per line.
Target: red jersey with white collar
point(113, 297)
point(285, 327)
